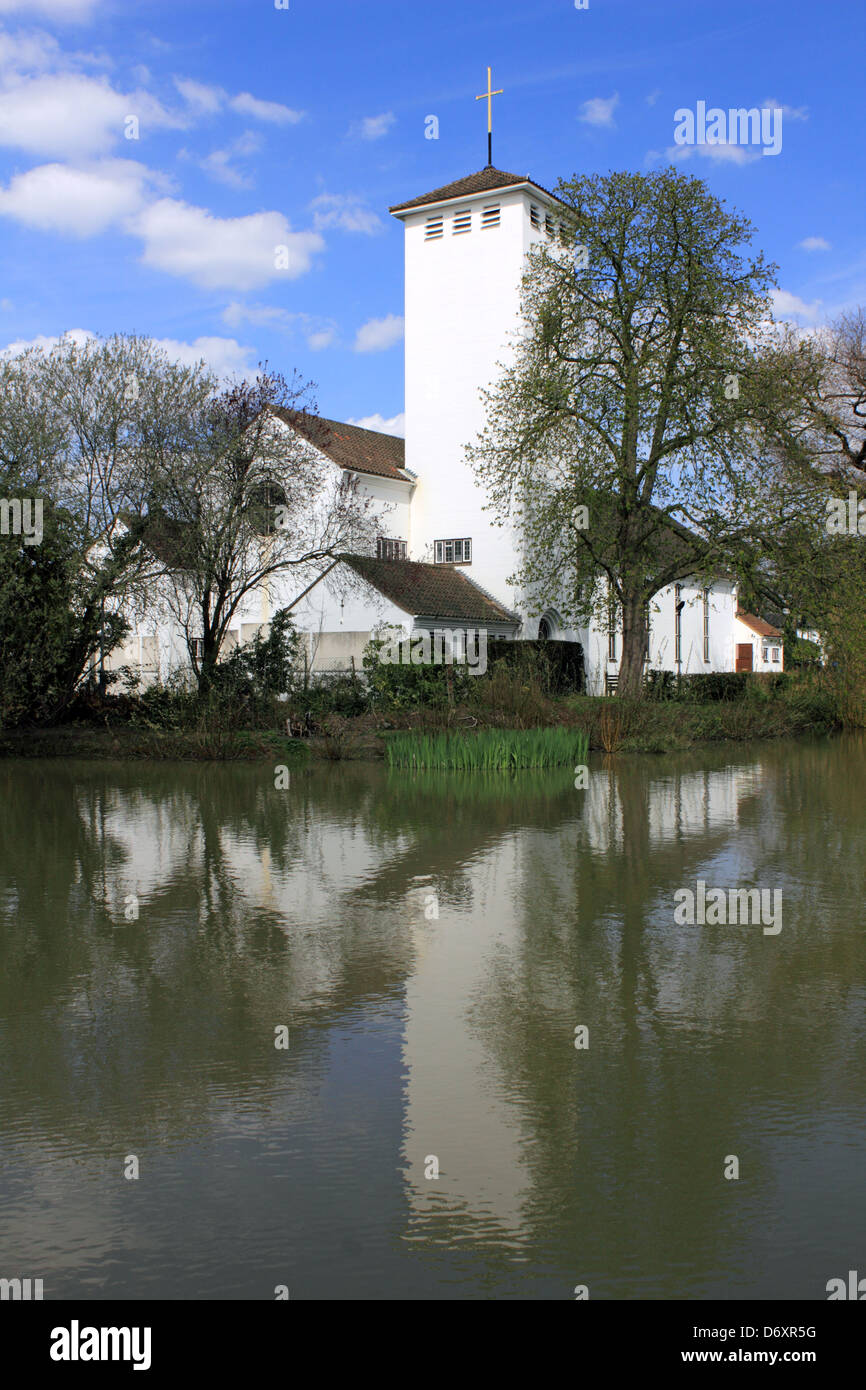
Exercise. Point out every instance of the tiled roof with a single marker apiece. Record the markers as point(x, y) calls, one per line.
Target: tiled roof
point(364, 451)
point(485, 181)
point(430, 591)
point(758, 625)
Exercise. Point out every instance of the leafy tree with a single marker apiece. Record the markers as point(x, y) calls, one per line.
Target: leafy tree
point(626, 437)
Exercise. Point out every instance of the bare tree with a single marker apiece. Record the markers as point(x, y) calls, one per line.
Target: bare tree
point(247, 501)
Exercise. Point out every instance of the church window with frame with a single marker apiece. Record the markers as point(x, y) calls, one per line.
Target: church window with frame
point(490, 215)
point(706, 597)
point(462, 222)
point(611, 624)
point(453, 552)
point(389, 549)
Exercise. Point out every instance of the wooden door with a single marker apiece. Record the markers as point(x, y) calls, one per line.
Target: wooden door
point(744, 656)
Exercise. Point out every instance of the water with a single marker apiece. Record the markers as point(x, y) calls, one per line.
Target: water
point(414, 1037)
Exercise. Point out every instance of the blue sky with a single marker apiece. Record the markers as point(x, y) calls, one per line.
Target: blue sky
point(260, 127)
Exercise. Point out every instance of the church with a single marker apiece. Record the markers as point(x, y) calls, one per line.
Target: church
point(441, 562)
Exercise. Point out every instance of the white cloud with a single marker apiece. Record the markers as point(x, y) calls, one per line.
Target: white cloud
point(653, 96)
point(79, 336)
point(346, 211)
point(71, 116)
point(785, 303)
point(393, 424)
point(814, 243)
point(239, 253)
point(206, 100)
point(373, 127)
point(31, 52)
point(599, 110)
point(73, 11)
point(81, 202)
point(722, 153)
point(790, 113)
point(6, 305)
point(320, 332)
point(218, 164)
point(203, 99)
point(225, 356)
point(378, 334)
point(273, 111)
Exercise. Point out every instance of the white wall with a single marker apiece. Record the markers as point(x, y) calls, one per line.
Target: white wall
point(742, 633)
point(722, 606)
point(462, 310)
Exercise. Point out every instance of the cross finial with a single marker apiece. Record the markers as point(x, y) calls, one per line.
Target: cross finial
point(489, 95)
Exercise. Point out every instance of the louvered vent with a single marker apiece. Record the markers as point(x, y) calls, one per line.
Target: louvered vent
point(462, 222)
point(434, 228)
point(490, 216)
point(534, 215)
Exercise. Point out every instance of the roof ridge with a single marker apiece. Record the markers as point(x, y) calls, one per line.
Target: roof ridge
point(486, 180)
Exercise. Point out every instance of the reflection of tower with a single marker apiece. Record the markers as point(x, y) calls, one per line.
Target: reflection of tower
point(457, 1105)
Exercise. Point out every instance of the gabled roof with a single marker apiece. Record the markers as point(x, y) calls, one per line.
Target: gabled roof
point(485, 181)
point(758, 625)
point(430, 591)
point(363, 451)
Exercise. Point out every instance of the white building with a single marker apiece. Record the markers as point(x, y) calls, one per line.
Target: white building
point(441, 561)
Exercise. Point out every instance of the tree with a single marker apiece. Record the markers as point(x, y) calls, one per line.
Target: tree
point(246, 501)
point(814, 562)
point(626, 436)
point(83, 427)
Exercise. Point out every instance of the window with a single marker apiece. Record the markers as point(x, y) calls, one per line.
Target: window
point(775, 653)
point(388, 549)
point(490, 215)
point(198, 648)
point(646, 620)
point(434, 228)
point(534, 216)
point(611, 626)
point(462, 222)
point(454, 552)
point(706, 624)
point(678, 622)
point(765, 653)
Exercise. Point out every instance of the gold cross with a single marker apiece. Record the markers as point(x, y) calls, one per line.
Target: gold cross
point(489, 94)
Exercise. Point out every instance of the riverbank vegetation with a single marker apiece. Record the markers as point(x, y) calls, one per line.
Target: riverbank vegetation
point(241, 716)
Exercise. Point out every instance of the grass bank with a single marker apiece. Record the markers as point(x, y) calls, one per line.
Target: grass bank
point(88, 741)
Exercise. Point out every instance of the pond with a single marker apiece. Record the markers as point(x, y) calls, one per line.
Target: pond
point(368, 1034)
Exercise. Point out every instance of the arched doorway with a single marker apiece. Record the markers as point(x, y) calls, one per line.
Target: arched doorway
point(548, 626)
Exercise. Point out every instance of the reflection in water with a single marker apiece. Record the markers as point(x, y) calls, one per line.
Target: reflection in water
point(432, 943)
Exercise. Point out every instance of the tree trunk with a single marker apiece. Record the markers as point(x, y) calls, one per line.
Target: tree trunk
point(631, 667)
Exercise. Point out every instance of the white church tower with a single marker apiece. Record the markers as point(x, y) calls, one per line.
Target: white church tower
point(465, 248)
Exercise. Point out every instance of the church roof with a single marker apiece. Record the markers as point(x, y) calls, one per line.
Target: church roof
point(430, 591)
point(350, 446)
point(485, 181)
